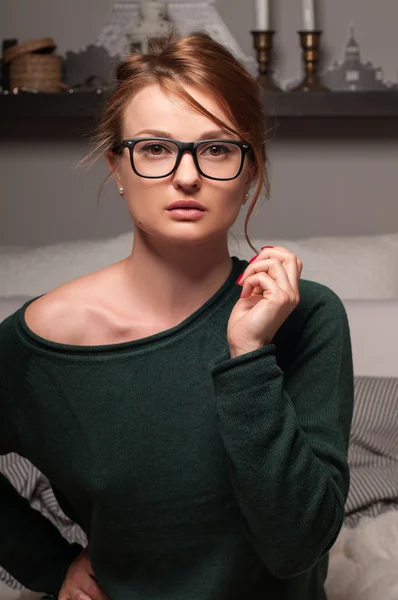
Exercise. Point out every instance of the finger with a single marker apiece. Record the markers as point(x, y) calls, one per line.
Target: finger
point(263, 255)
point(289, 261)
point(81, 596)
point(92, 589)
point(298, 260)
point(258, 291)
point(299, 266)
point(76, 595)
point(274, 268)
point(264, 282)
point(86, 588)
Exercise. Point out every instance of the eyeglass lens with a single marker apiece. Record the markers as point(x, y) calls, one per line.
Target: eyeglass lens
point(156, 158)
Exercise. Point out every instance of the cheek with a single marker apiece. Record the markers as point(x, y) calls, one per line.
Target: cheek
point(145, 198)
point(136, 186)
point(225, 201)
point(231, 192)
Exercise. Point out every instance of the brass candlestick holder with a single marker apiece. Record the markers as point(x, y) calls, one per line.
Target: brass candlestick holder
point(263, 45)
point(310, 42)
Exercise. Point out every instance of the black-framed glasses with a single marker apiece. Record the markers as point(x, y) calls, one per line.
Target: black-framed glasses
point(154, 158)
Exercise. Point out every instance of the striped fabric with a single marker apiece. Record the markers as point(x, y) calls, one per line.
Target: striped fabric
point(31, 484)
point(373, 452)
point(373, 458)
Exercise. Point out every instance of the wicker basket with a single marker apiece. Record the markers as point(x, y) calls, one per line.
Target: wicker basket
point(34, 70)
point(42, 72)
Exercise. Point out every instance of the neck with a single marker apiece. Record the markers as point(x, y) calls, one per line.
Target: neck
point(173, 280)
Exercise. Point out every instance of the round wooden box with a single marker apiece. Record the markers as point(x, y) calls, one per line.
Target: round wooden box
point(32, 66)
point(42, 72)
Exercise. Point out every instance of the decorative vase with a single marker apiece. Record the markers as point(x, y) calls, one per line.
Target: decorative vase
point(154, 23)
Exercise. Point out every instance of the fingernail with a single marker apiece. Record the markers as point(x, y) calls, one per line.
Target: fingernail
point(254, 258)
point(239, 278)
point(262, 247)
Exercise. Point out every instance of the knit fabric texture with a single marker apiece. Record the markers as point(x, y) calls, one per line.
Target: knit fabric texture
point(193, 475)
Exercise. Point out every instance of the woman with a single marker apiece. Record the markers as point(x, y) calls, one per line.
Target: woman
point(191, 410)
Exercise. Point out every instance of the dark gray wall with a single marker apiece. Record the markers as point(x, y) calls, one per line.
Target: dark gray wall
point(326, 179)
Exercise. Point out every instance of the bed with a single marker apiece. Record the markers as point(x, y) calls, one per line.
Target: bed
point(363, 271)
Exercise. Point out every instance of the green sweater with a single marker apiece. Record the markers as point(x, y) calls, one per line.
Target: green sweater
point(194, 475)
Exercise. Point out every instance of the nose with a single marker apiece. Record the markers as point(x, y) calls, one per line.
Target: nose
point(186, 176)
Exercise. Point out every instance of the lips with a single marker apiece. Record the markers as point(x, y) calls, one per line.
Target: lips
point(186, 204)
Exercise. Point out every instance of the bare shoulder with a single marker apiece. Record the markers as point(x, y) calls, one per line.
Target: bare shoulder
point(60, 315)
point(55, 317)
point(70, 312)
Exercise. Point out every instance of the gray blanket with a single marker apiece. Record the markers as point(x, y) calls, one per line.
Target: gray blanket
point(373, 452)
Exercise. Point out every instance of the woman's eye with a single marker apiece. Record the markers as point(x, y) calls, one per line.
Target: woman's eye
point(217, 150)
point(155, 149)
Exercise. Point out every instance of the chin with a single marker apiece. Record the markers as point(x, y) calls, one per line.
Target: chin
point(184, 233)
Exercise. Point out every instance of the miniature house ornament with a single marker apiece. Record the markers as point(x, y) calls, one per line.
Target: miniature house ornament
point(153, 23)
point(352, 74)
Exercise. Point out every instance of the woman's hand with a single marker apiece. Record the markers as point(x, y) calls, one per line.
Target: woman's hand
point(80, 582)
point(270, 293)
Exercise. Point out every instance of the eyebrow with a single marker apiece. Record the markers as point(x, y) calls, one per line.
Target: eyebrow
point(206, 135)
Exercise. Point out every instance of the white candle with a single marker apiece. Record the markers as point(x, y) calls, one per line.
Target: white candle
point(308, 15)
point(262, 22)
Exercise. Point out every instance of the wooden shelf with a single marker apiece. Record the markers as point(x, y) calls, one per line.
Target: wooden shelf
point(87, 106)
point(51, 107)
point(332, 104)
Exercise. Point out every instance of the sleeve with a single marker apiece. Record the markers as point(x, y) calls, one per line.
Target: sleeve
point(32, 549)
point(286, 435)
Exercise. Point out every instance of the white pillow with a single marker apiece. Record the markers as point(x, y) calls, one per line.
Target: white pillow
point(34, 271)
point(374, 333)
point(355, 267)
point(362, 267)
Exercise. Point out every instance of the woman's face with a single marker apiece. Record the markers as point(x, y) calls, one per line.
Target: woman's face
point(153, 113)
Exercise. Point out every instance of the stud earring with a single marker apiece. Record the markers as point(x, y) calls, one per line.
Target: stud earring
point(121, 191)
point(246, 197)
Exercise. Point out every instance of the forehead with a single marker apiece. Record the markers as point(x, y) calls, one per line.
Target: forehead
point(152, 108)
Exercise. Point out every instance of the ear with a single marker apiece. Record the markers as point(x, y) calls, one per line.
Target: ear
point(113, 163)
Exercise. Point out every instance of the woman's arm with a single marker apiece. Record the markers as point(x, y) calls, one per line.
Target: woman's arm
point(31, 549)
point(286, 434)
